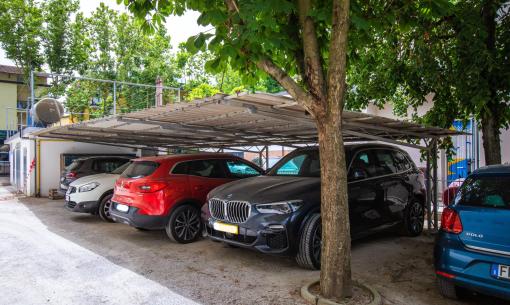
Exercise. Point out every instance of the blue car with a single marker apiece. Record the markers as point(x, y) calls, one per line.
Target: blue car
point(472, 249)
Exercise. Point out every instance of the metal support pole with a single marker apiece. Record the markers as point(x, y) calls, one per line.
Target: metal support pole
point(267, 157)
point(434, 182)
point(114, 98)
point(179, 95)
point(32, 94)
point(427, 189)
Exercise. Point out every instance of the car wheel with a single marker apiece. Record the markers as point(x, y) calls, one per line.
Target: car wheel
point(446, 288)
point(414, 216)
point(310, 243)
point(104, 208)
point(184, 225)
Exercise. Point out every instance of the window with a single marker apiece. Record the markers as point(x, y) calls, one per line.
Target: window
point(485, 191)
point(107, 165)
point(402, 163)
point(304, 164)
point(240, 169)
point(121, 168)
point(206, 168)
point(362, 166)
point(139, 169)
point(180, 168)
point(384, 162)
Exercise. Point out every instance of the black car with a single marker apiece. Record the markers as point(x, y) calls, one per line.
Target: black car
point(279, 213)
point(82, 167)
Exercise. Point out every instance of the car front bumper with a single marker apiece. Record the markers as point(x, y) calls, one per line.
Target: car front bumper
point(272, 234)
point(82, 207)
point(134, 219)
point(469, 268)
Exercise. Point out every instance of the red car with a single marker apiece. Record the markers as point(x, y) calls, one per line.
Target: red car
point(167, 192)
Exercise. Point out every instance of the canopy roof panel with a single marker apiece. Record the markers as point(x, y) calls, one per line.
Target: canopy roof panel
point(236, 121)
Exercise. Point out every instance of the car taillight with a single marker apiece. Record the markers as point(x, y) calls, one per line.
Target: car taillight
point(71, 175)
point(152, 186)
point(450, 221)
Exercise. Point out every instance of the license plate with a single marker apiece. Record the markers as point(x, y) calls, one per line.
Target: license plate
point(122, 207)
point(501, 271)
point(227, 228)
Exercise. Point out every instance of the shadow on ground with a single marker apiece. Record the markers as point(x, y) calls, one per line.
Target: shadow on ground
point(212, 273)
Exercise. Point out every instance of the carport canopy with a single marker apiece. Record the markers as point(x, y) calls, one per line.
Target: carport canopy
point(248, 120)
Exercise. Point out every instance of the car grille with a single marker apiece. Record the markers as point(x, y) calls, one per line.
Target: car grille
point(71, 204)
point(231, 211)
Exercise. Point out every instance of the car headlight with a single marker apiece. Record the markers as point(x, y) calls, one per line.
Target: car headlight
point(282, 207)
point(88, 187)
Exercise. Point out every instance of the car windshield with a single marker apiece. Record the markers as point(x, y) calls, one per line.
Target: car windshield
point(485, 191)
point(121, 168)
point(139, 169)
point(302, 164)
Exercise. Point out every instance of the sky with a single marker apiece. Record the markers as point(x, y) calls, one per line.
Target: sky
point(179, 27)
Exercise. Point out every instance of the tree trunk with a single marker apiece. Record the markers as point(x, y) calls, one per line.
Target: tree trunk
point(491, 140)
point(336, 239)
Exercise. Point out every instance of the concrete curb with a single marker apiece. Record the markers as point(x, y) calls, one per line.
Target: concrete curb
point(317, 300)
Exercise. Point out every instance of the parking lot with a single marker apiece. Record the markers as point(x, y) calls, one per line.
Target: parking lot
point(77, 258)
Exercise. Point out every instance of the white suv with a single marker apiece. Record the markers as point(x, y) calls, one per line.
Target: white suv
point(93, 194)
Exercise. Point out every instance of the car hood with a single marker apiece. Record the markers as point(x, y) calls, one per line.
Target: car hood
point(94, 178)
point(263, 189)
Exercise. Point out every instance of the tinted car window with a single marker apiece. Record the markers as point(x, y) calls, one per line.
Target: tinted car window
point(121, 168)
point(485, 191)
point(139, 169)
point(106, 165)
point(362, 164)
point(240, 169)
point(303, 164)
point(402, 163)
point(180, 168)
point(384, 162)
point(206, 168)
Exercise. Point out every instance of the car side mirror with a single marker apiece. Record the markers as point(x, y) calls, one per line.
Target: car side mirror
point(359, 174)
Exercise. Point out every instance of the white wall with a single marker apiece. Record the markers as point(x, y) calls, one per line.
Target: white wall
point(51, 150)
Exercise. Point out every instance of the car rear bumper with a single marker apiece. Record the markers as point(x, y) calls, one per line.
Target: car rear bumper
point(82, 207)
point(134, 219)
point(469, 268)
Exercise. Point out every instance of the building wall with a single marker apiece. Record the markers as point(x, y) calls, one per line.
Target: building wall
point(49, 160)
point(8, 98)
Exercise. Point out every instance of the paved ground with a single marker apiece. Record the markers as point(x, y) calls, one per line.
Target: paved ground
point(66, 258)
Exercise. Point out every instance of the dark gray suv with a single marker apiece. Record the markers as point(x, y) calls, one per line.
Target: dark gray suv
point(279, 213)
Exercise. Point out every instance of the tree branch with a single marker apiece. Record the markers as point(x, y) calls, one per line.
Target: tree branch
point(338, 57)
point(298, 93)
point(314, 73)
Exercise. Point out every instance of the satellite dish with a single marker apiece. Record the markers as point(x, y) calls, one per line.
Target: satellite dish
point(47, 110)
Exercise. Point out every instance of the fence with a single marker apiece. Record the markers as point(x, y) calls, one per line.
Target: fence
point(85, 98)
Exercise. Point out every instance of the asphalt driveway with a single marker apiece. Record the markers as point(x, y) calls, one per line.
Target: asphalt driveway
point(52, 256)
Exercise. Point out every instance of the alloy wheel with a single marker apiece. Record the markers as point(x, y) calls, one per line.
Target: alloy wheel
point(187, 224)
point(416, 217)
point(317, 244)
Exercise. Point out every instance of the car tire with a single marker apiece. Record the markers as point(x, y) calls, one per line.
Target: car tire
point(414, 217)
point(446, 288)
point(310, 242)
point(104, 208)
point(184, 225)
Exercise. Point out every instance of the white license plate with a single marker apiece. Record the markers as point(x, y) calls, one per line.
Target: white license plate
point(227, 228)
point(503, 272)
point(122, 207)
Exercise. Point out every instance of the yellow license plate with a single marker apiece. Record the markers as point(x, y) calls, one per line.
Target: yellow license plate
point(223, 227)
